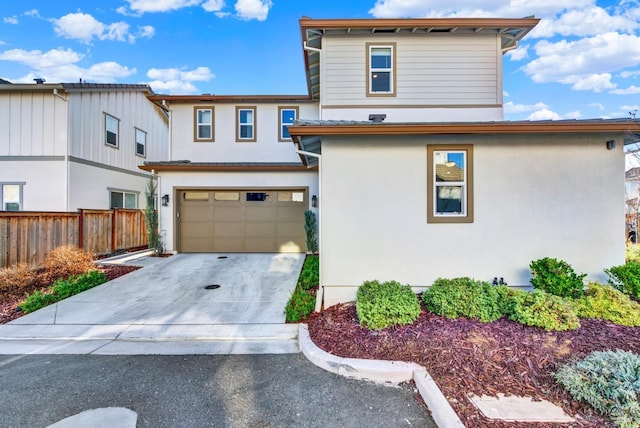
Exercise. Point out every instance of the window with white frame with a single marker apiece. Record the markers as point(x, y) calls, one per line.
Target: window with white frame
point(203, 129)
point(123, 199)
point(246, 124)
point(287, 114)
point(11, 196)
point(381, 73)
point(111, 125)
point(450, 184)
point(141, 142)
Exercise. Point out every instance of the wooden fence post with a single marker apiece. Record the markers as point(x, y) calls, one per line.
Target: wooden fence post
point(113, 230)
point(81, 229)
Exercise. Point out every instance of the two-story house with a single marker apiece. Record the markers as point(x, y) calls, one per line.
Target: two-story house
point(415, 172)
point(77, 145)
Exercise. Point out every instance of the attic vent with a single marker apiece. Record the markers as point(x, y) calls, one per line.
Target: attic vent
point(39, 80)
point(377, 118)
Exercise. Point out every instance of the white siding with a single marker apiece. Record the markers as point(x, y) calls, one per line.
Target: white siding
point(266, 148)
point(32, 123)
point(433, 70)
point(44, 181)
point(134, 110)
point(535, 197)
point(170, 181)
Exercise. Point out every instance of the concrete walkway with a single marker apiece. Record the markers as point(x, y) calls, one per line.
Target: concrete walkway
point(166, 308)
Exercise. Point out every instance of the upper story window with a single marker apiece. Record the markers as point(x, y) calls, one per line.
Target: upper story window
point(246, 124)
point(450, 184)
point(123, 199)
point(11, 196)
point(112, 130)
point(141, 142)
point(203, 129)
point(381, 69)
point(287, 116)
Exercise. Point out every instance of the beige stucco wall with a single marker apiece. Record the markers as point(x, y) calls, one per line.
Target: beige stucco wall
point(171, 181)
point(535, 196)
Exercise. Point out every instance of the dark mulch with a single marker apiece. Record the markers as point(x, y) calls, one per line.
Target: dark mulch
point(469, 357)
point(9, 306)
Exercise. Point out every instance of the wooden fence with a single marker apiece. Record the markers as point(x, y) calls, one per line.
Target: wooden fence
point(27, 237)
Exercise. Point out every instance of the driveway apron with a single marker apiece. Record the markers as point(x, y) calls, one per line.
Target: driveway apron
point(186, 304)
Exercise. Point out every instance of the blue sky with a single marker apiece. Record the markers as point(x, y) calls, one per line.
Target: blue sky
point(582, 61)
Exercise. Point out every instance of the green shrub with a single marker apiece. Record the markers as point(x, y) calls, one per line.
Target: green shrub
point(300, 305)
point(556, 277)
point(632, 253)
point(310, 274)
point(609, 381)
point(541, 309)
point(604, 302)
point(626, 278)
point(311, 230)
point(465, 297)
point(62, 289)
point(381, 305)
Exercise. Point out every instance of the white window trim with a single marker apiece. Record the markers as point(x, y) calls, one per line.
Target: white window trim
point(281, 110)
point(392, 70)
point(21, 185)
point(106, 122)
point(144, 143)
point(253, 125)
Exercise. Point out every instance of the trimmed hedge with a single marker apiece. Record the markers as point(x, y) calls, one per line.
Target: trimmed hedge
point(605, 302)
point(381, 305)
point(541, 309)
point(556, 277)
point(626, 278)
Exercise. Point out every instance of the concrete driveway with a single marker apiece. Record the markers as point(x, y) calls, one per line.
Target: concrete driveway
point(167, 308)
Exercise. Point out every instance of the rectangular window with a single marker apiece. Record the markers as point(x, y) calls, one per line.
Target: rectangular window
point(381, 69)
point(246, 124)
point(450, 184)
point(195, 196)
point(284, 196)
point(257, 196)
point(141, 142)
point(203, 130)
point(11, 196)
point(111, 125)
point(287, 116)
point(227, 196)
point(122, 199)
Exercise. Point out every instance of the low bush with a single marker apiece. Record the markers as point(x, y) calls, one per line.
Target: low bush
point(632, 253)
point(605, 302)
point(626, 278)
point(381, 305)
point(541, 309)
point(300, 305)
point(609, 381)
point(310, 274)
point(17, 281)
point(63, 262)
point(62, 289)
point(556, 277)
point(465, 297)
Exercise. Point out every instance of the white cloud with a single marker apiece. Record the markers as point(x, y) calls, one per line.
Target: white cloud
point(84, 27)
point(633, 89)
point(59, 65)
point(585, 63)
point(143, 6)
point(32, 12)
point(505, 93)
point(253, 9)
point(597, 105)
point(213, 5)
point(10, 20)
point(511, 108)
point(627, 74)
point(146, 32)
point(630, 107)
point(544, 114)
point(584, 22)
point(519, 54)
point(573, 115)
point(176, 81)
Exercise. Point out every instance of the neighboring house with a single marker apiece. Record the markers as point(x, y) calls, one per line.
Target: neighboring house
point(418, 175)
point(234, 182)
point(77, 145)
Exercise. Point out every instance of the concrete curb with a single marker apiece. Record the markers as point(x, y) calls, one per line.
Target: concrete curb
point(385, 372)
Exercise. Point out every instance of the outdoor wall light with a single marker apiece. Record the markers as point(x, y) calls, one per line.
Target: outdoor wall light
point(611, 144)
point(314, 201)
point(165, 200)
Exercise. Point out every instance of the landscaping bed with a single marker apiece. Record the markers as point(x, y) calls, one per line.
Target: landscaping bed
point(470, 357)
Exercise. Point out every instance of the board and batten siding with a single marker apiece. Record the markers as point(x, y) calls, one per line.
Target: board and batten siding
point(434, 69)
point(134, 110)
point(32, 123)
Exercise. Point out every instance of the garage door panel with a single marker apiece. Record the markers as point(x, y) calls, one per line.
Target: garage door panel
point(249, 220)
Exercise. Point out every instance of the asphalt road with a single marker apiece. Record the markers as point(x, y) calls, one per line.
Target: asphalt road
point(199, 391)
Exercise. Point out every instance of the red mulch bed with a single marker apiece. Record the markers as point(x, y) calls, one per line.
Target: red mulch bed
point(9, 306)
point(469, 357)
